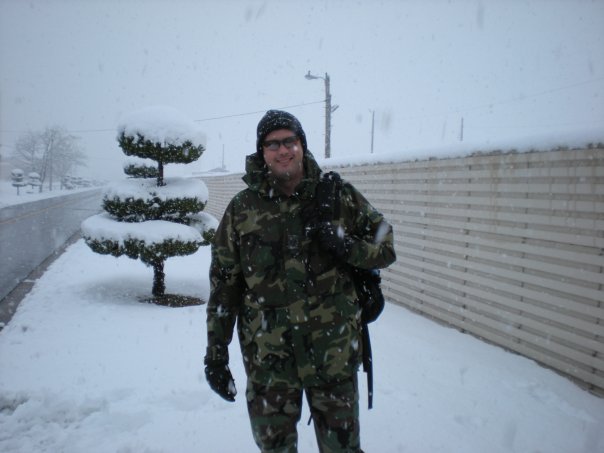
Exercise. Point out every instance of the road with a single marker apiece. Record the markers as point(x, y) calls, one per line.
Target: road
point(31, 232)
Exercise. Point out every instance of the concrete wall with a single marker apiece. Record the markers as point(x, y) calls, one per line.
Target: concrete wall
point(507, 247)
point(31, 232)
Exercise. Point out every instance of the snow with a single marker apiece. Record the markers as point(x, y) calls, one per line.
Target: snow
point(87, 367)
point(144, 188)
point(104, 227)
point(506, 67)
point(203, 221)
point(577, 139)
point(161, 124)
point(9, 197)
point(138, 161)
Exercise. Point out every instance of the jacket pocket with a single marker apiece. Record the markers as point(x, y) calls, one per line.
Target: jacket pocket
point(338, 350)
point(265, 346)
point(336, 336)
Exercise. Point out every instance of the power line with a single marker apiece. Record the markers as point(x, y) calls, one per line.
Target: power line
point(504, 101)
point(534, 95)
point(80, 131)
point(427, 115)
point(535, 126)
point(257, 112)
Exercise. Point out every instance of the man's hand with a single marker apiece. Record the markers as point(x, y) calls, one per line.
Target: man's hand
point(332, 238)
point(221, 380)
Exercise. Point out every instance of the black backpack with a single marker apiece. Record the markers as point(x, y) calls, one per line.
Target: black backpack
point(367, 281)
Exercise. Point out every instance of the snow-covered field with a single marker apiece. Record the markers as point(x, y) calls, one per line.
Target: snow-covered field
point(86, 367)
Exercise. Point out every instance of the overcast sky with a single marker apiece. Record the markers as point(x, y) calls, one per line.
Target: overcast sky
point(510, 69)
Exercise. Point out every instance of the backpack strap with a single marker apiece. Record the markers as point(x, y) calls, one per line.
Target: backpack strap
point(367, 363)
point(328, 197)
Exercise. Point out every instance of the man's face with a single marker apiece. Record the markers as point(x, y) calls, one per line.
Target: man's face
point(284, 162)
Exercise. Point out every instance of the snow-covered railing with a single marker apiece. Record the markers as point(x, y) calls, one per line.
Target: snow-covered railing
point(506, 246)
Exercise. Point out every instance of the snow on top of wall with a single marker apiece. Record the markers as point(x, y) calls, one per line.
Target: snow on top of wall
point(142, 188)
point(161, 124)
point(103, 227)
point(570, 140)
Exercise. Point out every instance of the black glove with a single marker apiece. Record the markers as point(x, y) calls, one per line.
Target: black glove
point(333, 239)
point(221, 380)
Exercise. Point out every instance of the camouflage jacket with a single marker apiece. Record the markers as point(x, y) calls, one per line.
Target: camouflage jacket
point(297, 315)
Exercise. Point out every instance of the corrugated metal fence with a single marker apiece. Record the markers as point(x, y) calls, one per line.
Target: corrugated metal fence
point(508, 247)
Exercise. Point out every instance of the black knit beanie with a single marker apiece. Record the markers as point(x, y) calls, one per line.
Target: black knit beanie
point(278, 119)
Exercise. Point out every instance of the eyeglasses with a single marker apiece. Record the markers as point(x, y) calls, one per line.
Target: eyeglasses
point(274, 145)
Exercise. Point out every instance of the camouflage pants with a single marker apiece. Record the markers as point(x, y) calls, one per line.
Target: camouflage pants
point(275, 412)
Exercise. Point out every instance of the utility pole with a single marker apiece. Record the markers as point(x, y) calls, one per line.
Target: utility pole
point(372, 128)
point(461, 131)
point(50, 146)
point(327, 118)
point(328, 111)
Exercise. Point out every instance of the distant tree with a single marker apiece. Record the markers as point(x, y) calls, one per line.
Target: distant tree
point(33, 179)
point(67, 182)
point(52, 153)
point(28, 151)
point(17, 177)
point(149, 217)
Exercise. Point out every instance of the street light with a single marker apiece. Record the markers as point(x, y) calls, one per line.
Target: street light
point(328, 111)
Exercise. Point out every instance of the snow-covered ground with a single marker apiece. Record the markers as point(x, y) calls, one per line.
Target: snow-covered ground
point(9, 196)
point(86, 367)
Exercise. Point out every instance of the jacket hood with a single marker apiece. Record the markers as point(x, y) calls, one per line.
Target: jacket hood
point(257, 178)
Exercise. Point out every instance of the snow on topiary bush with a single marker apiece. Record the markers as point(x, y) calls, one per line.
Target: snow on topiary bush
point(17, 177)
point(33, 179)
point(147, 216)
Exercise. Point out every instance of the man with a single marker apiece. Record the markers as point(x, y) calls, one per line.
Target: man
point(283, 277)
